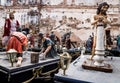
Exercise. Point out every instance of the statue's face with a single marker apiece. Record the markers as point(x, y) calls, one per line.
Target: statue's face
point(11, 16)
point(104, 8)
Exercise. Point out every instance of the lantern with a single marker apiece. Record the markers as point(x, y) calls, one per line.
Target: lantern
point(11, 54)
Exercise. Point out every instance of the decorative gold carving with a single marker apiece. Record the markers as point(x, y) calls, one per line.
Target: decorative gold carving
point(38, 72)
point(65, 60)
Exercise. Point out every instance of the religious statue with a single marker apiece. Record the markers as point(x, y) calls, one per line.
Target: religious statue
point(100, 20)
point(96, 61)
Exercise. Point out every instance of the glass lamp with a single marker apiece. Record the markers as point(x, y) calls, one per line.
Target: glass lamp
point(11, 54)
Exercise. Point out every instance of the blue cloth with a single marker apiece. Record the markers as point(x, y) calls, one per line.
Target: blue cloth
point(118, 42)
point(89, 44)
point(52, 37)
point(53, 52)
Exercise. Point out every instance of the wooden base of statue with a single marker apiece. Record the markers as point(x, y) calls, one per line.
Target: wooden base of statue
point(89, 64)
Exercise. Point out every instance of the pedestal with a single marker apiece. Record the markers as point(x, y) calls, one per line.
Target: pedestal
point(99, 49)
point(98, 60)
point(90, 65)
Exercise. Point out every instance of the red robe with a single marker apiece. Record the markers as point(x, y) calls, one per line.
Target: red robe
point(17, 41)
point(7, 27)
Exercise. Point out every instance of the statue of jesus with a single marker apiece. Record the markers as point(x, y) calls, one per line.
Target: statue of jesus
point(100, 20)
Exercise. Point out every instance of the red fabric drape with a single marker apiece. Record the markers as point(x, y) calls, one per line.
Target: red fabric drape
point(7, 27)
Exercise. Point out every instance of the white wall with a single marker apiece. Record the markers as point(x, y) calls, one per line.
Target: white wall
point(78, 2)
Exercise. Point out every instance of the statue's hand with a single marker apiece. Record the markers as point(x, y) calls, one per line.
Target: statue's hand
point(100, 18)
point(105, 21)
point(108, 28)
